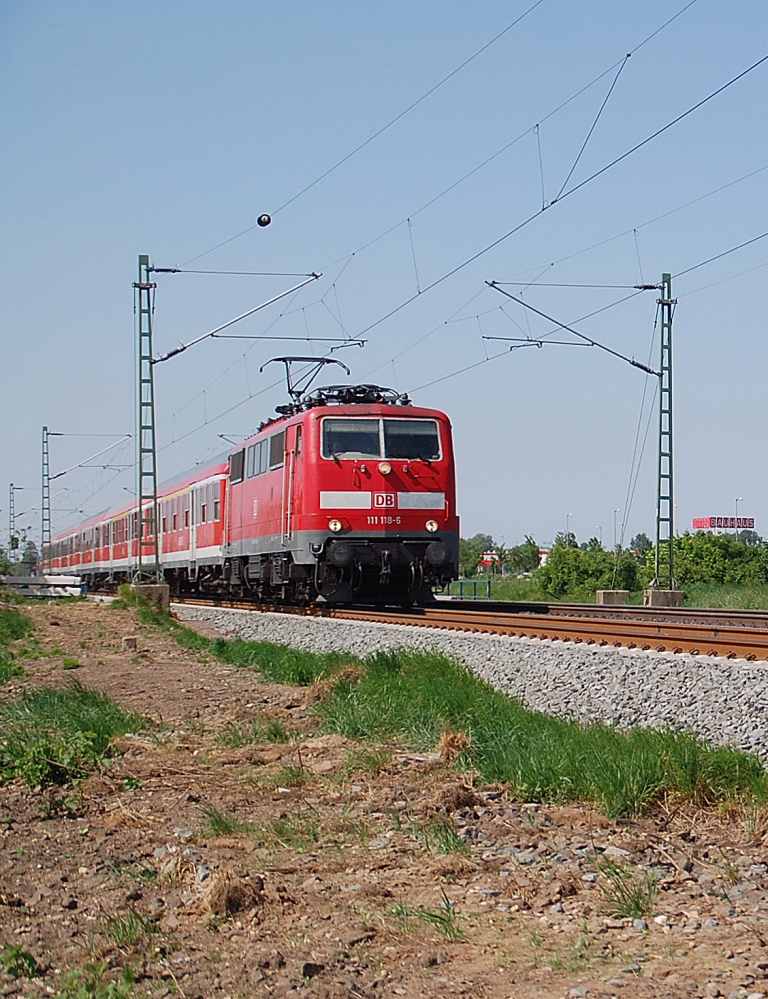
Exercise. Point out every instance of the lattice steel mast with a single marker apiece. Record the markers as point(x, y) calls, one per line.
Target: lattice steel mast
point(148, 563)
point(13, 543)
point(45, 507)
point(664, 578)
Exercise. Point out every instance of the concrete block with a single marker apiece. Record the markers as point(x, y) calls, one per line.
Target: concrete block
point(611, 596)
point(130, 643)
point(663, 598)
point(156, 593)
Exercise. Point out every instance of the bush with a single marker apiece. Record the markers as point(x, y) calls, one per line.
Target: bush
point(716, 558)
point(577, 573)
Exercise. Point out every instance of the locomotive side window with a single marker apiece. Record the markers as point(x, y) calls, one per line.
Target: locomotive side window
point(411, 439)
point(250, 462)
point(351, 438)
point(237, 466)
point(276, 449)
point(263, 456)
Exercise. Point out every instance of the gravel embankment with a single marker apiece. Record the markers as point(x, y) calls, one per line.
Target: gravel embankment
point(723, 700)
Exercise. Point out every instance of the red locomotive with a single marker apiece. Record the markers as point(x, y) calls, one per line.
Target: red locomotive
point(349, 495)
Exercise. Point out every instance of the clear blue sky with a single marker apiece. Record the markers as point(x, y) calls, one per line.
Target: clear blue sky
point(166, 128)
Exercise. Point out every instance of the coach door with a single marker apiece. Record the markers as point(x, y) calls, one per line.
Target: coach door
point(291, 457)
point(234, 513)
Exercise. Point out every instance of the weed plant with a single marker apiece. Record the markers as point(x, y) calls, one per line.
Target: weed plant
point(90, 982)
point(445, 919)
point(19, 963)
point(631, 893)
point(52, 736)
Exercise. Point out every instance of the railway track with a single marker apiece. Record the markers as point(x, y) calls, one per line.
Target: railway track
point(735, 634)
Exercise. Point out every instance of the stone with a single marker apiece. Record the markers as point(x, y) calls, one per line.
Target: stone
point(640, 924)
point(130, 643)
point(310, 969)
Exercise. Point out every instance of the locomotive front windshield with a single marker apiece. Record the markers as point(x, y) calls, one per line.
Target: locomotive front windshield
point(381, 438)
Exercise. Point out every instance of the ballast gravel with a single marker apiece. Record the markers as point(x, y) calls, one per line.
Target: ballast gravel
point(723, 700)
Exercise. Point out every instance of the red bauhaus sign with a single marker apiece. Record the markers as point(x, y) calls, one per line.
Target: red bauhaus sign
point(724, 523)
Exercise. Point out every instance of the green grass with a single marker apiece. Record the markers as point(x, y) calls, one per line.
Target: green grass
point(128, 930)
point(731, 596)
point(415, 697)
point(52, 736)
point(13, 624)
point(19, 963)
point(256, 733)
point(440, 836)
point(9, 668)
point(297, 832)
point(412, 698)
point(445, 919)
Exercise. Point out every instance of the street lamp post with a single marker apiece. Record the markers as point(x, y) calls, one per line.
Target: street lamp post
point(617, 510)
point(568, 525)
point(739, 499)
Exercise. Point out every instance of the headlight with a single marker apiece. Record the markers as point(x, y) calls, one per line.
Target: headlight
point(431, 526)
point(384, 467)
point(334, 525)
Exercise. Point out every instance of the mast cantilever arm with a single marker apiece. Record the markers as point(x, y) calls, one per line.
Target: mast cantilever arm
point(563, 326)
point(185, 346)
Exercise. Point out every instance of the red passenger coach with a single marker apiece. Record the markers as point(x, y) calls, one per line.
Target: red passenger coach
point(348, 496)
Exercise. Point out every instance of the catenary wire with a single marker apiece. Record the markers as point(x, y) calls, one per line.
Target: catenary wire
point(410, 108)
point(530, 130)
point(594, 124)
point(568, 193)
point(636, 48)
point(375, 135)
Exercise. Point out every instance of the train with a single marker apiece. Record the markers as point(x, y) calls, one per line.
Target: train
point(347, 496)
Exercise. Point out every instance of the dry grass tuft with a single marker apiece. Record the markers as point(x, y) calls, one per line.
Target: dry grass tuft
point(229, 894)
point(452, 797)
point(321, 689)
point(452, 745)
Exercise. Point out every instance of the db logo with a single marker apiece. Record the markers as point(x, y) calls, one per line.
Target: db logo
point(383, 500)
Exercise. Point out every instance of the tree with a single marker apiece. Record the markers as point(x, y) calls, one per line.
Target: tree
point(566, 539)
point(5, 564)
point(471, 552)
point(524, 557)
point(641, 544)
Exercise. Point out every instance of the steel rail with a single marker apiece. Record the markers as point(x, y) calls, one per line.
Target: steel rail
point(712, 639)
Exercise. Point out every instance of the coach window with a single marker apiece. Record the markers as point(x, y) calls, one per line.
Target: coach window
point(262, 456)
point(216, 502)
point(204, 505)
point(276, 449)
point(186, 510)
point(236, 466)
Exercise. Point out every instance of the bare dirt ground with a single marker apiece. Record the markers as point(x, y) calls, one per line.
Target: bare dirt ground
point(337, 884)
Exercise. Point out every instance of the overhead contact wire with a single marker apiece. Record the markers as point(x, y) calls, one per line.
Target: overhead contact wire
point(568, 193)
